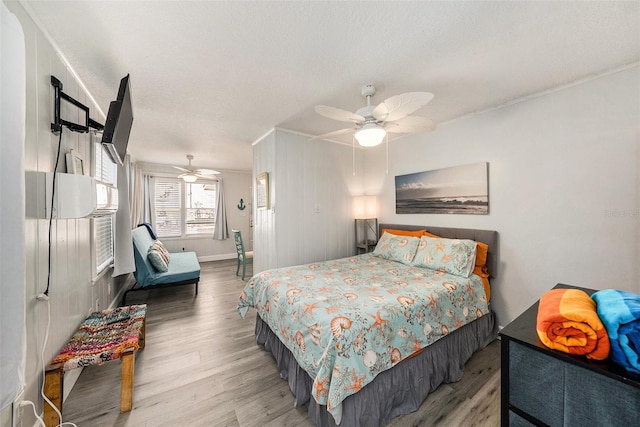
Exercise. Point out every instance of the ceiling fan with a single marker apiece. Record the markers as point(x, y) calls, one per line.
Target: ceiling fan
point(191, 175)
point(372, 123)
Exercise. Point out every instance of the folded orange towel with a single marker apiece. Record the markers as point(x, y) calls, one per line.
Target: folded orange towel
point(568, 321)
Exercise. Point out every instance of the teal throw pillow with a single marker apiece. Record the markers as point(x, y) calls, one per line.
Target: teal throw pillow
point(157, 259)
point(397, 248)
point(453, 256)
point(165, 253)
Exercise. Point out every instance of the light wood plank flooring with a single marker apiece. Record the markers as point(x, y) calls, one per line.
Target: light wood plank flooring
point(201, 367)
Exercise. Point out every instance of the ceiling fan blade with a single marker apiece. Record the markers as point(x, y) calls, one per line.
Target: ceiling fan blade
point(338, 114)
point(399, 106)
point(205, 172)
point(206, 176)
point(410, 124)
point(393, 138)
point(181, 169)
point(334, 133)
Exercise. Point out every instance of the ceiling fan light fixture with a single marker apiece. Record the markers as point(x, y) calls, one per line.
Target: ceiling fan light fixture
point(370, 135)
point(188, 177)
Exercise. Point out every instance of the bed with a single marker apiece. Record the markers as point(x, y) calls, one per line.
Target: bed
point(364, 339)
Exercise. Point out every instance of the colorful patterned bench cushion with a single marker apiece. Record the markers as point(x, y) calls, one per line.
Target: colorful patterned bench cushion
point(102, 337)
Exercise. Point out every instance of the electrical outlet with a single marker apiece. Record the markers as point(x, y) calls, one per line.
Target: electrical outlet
point(17, 409)
point(109, 289)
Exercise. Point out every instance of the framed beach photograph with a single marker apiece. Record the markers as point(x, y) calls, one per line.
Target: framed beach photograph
point(262, 190)
point(75, 164)
point(455, 190)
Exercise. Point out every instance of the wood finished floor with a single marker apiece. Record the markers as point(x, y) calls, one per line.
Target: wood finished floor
point(201, 367)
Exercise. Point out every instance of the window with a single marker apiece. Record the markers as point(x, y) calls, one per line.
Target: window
point(183, 209)
point(201, 208)
point(105, 171)
point(168, 215)
point(103, 239)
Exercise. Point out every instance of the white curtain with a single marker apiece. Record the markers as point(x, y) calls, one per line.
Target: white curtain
point(149, 199)
point(141, 195)
point(136, 195)
point(12, 215)
point(221, 231)
point(123, 261)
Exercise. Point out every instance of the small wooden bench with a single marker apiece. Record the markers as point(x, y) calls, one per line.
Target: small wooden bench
point(103, 336)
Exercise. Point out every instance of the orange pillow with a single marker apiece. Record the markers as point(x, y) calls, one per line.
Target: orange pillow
point(481, 254)
point(481, 267)
point(426, 233)
point(416, 233)
point(484, 275)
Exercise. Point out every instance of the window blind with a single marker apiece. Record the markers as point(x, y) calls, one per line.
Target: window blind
point(168, 215)
point(103, 239)
point(105, 171)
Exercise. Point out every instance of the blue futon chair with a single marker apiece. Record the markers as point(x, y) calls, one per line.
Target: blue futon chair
point(184, 267)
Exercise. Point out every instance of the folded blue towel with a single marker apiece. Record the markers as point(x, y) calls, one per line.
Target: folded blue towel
point(620, 313)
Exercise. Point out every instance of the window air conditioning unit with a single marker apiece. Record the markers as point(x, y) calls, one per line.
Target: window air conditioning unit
point(76, 196)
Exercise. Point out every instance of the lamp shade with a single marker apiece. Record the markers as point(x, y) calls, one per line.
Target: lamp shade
point(365, 207)
point(370, 135)
point(189, 177)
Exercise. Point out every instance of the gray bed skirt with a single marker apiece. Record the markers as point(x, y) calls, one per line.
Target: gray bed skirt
point(398, 391)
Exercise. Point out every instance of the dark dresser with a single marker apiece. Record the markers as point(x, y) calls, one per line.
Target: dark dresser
point(545, 387)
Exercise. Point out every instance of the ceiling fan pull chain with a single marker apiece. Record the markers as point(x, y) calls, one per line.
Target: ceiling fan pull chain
point(353, 154)
point(387, 139)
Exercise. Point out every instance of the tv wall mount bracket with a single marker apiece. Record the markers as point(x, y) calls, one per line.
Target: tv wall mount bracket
point(59, 122)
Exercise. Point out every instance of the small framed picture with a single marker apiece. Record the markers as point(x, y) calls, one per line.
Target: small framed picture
point(262, 190)
point(75, 164)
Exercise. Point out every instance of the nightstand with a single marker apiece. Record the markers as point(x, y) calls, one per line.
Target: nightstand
point(541, 386)
point(366, 234)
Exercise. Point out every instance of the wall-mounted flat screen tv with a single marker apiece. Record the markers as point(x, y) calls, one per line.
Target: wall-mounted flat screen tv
point(117, 128)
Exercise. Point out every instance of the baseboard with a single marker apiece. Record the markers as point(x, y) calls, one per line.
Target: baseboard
point(217, 257)
point(115, 302)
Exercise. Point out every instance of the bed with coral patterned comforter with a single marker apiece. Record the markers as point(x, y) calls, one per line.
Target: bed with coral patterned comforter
point(347, 320)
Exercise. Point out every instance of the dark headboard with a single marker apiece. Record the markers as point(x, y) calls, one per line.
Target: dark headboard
point(488, 237)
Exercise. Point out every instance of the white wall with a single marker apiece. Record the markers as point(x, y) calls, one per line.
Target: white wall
point(237, 185)
point(563, 178)
point(311, 188)
point(264, 242)
point(73, 292)
point(12, 202)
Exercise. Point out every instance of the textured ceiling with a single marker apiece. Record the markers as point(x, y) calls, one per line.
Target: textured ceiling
point(211, 77)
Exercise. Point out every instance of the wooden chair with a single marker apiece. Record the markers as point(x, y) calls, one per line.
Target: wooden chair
point(243, 256)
